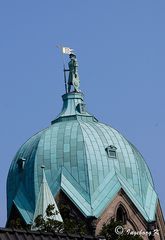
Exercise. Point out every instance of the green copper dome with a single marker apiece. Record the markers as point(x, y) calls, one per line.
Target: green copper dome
point(88, 160)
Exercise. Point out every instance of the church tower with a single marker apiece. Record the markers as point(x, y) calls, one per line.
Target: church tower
point(89, 166)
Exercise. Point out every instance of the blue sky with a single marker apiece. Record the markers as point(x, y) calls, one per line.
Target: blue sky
point(121, 53)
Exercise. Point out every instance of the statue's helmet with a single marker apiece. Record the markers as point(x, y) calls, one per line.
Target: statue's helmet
point(72, 55)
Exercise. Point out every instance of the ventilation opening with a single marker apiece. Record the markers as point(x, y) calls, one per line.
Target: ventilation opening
point(21, 163)
point(81, 108)
point(111, 151)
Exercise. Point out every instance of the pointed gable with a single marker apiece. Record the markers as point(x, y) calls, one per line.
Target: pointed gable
point(45, 198)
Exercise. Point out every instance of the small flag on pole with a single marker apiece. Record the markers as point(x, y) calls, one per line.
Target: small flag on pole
point(67, 50)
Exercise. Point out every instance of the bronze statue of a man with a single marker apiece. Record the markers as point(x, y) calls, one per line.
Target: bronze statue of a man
point(73, 73)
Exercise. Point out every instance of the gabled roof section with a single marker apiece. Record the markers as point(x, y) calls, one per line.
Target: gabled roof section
point(95, 204)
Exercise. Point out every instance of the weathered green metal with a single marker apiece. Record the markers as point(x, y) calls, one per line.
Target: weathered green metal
point(73, 150)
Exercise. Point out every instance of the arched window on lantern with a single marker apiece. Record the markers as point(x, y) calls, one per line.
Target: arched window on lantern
point(121, 214)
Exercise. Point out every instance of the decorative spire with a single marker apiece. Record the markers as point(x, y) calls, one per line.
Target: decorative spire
point(45, 198)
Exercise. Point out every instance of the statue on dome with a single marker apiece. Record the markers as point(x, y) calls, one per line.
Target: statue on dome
point(73, 79)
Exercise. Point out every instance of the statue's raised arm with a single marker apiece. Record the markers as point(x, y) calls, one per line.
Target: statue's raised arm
point(73, 73)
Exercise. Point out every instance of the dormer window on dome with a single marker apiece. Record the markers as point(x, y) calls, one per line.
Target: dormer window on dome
point(111, 151)
point(21, 163)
